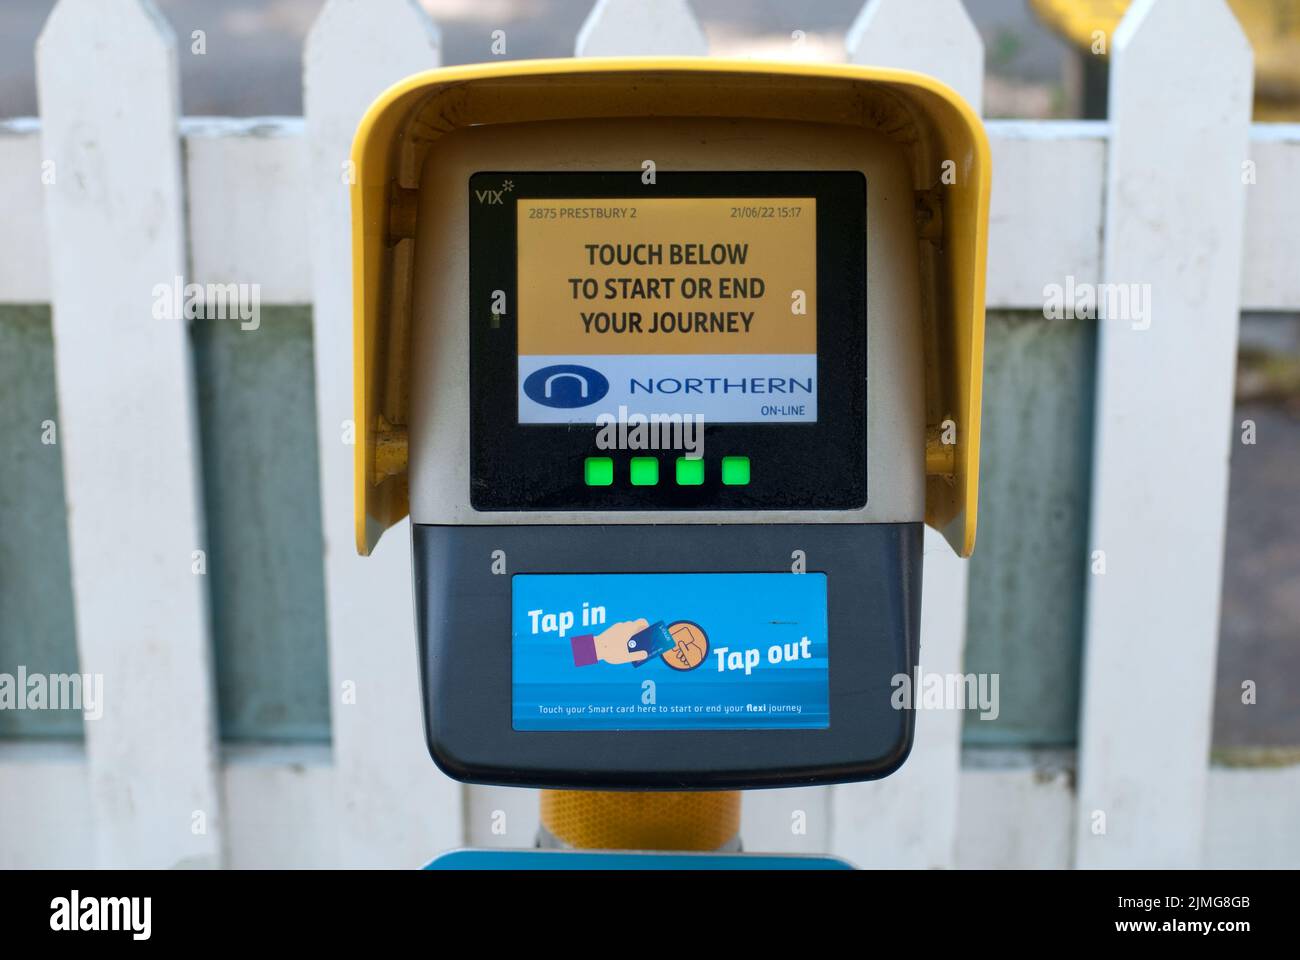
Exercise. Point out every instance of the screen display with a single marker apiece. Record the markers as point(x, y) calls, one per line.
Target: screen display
point(669, 651)
point(673, 306)
point(716, 315)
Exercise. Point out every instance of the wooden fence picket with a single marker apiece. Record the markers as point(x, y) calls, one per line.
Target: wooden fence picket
point(1180, 101)
point(115, 222)
point(395, 808)
point(910, 819)
point(645, 28)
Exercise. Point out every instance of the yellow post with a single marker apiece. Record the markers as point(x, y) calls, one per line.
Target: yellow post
point(619, 820)
point(1271, 26)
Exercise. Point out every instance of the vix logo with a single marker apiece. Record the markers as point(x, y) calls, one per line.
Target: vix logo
point(566, 385)
point(491, 197)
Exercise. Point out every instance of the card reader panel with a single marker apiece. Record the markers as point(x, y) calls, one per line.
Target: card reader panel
point(465, 580)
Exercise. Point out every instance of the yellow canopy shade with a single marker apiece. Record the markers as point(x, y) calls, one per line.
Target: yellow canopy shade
point(942, 136)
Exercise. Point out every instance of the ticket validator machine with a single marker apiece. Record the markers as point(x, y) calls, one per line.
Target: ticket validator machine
point(669, 361)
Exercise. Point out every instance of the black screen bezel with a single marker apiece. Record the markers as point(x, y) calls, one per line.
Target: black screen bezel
point(806, 466)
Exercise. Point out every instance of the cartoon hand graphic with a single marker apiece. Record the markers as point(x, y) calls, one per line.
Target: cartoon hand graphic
point(609, 646)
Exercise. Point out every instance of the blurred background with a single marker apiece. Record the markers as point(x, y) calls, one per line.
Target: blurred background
point(1027, 581)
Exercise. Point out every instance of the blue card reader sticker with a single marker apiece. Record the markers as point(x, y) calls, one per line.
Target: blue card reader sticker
point(669, 651)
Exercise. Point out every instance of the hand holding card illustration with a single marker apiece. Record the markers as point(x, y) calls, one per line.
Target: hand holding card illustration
point(610, 645)
point(655, 640)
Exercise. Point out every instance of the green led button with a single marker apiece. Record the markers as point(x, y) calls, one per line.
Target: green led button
point(598, 471)
point(690, 473)
point(645, 471)
point(735, 471)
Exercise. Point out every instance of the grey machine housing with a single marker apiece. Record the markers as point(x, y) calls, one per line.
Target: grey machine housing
point(464, 557)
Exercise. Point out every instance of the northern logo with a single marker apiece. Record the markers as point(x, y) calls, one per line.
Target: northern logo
point(566, 385)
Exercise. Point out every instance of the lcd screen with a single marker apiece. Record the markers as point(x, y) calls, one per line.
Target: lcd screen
point(674, 306)
point(670, 651)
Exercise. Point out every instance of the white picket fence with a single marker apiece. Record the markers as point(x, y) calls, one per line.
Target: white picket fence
point(1177, 190)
